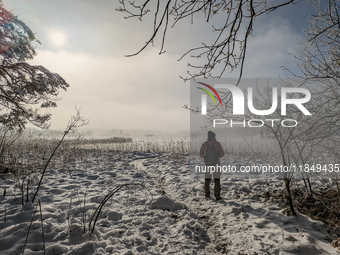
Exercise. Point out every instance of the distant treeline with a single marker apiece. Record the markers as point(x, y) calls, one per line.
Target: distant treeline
point(103, 140)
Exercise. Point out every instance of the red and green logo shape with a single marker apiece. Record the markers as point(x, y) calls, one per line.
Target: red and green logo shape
point(209, 93)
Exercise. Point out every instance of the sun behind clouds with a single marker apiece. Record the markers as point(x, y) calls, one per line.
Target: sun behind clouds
point(58, 38)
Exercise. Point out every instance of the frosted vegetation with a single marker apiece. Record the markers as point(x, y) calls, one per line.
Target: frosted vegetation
point(141, 196)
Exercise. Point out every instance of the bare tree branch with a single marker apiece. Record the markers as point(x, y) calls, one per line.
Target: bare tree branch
point(228, 51)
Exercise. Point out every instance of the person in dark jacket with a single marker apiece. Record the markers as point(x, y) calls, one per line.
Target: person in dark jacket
point(216, 175)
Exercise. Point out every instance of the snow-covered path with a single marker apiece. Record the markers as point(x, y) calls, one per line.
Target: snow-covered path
point(246, 221)
point(169, 216)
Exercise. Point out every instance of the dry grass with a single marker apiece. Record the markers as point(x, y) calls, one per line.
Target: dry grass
point(323, 206)
point(326, 208)
point(28, 155)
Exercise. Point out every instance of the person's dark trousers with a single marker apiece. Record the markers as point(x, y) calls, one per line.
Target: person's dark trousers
point(207, 187)
point(217, 189)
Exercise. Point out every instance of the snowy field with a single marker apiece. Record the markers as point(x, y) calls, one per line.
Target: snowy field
point(160, 210)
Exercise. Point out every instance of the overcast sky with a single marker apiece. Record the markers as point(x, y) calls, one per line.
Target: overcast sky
point(85, 42)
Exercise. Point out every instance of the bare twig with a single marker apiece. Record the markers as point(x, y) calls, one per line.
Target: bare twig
point(228, 50)
point(75, 122)
point(84, 214)
point(96, 214)
point(29, 228)
point(42, 226)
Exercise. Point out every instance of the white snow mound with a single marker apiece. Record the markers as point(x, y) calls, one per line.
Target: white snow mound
point(166, 203)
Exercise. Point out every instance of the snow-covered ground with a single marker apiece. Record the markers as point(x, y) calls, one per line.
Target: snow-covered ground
point(168, 215)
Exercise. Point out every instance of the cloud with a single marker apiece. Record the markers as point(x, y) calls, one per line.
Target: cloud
point(119, 92)
point(269, 49)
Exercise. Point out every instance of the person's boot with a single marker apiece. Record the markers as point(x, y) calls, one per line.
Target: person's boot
point(217, 189)
point(207, 187)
